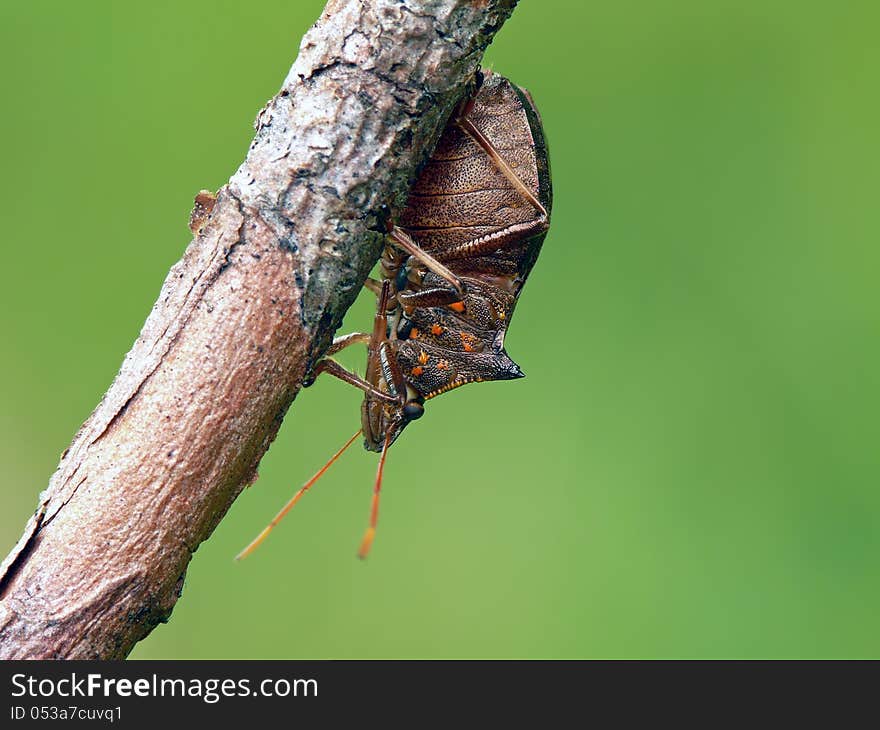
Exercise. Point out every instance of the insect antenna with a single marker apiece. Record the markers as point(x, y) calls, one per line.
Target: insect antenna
point(255, 543)
point(367, 542)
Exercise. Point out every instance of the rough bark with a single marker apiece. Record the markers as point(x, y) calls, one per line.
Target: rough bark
point(239, 323)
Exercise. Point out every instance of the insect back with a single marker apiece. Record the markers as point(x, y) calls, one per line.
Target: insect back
point(461, 250)
point(452, 270)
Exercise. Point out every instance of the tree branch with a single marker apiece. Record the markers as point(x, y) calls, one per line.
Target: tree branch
point(239, 323)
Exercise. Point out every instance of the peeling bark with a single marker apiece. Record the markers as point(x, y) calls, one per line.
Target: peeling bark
point(238, 325)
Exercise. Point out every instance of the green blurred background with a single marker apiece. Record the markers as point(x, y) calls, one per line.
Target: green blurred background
point(690, 468)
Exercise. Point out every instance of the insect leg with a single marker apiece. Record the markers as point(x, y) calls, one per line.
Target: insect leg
point(433, 297)
point(331, 367)
point(353, 338)
point(510, 236)
point(402, 239)
point(335, 369)
point(374, 285)
point(471, 130)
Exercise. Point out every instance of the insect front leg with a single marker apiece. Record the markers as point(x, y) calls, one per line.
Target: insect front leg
point(331, 367)
point(353, 338)
point(373, 285)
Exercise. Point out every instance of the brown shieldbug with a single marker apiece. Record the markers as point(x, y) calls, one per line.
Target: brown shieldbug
point(452, 270)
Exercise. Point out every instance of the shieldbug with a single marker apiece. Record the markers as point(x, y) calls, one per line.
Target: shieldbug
point(451, 273)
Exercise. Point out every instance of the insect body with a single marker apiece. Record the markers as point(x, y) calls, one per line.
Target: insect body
point(452, 270)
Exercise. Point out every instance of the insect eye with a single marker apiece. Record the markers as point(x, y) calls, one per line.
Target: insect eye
point(413, 410)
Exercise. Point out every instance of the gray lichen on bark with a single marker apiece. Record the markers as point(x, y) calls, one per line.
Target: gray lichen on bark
point(239, 322)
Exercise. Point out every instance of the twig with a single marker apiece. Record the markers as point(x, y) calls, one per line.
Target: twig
point(239, 323)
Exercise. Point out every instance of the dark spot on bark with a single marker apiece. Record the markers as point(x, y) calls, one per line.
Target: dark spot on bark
point(377, 220)
point(404, 143)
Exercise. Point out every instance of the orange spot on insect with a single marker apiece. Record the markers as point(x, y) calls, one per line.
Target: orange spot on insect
point(423, 357)
point(467, 341)
point(417, 370)
point(457, 307)
point(443, 365)
point(436, 329)
point(501, 315)
point(414, 334)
